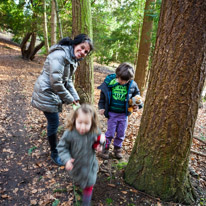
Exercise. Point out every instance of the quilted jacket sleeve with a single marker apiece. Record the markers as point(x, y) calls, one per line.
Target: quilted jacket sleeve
point(64, 147)
point(72, 90)
point(57, 64)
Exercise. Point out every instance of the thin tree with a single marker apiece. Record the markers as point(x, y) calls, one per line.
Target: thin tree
point(144, 47)
point(53, 24)
point(45, 28)
point(58, 19)
point(82, 23)
point(158, 164)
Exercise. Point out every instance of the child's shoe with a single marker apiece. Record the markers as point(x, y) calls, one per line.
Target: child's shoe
point(118, 153)
point(105, 154)
point(56, 159)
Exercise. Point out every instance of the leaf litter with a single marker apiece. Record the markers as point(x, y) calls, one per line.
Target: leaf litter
point(28, 176)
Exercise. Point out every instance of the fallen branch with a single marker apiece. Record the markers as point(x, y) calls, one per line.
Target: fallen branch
point(199, 139)
point(198, 153)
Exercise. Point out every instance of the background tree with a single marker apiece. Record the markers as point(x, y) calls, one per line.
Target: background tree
point(144, 47)
point(82, 23)
point(116, 25)
point(45, 28)
point(58, 19)
point(53, 24)
point(21, 20)
point(158, 164)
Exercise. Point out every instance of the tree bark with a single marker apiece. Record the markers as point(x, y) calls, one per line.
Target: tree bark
point(29, 53)
point(144, 47)
point(36, 49)
point(45, 28)
point(58, 19)
point(53, 24)
point(158, 164)
point(23, 43)
point(82, 23)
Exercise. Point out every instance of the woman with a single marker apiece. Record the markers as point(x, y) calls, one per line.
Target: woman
point(54, 86)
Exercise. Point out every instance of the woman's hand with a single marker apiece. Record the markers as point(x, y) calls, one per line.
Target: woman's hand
point(69, 165)
point(101, 111)
point(76, 102)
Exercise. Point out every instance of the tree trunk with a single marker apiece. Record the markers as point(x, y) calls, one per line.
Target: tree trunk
point(36, 49)
point(144, 47)
point(45, 28)
point(53, 24)
point(82, 23)
point(158, 164)
point(29, 53)
point(58, 19)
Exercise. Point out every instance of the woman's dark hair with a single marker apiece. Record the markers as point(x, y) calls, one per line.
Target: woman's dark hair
point(81, 38)
point(125, 71)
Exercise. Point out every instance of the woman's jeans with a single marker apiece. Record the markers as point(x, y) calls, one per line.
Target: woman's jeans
point(52, 126)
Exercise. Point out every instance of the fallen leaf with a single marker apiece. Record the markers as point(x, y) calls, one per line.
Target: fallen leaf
point(111, 185)
point(33, 202)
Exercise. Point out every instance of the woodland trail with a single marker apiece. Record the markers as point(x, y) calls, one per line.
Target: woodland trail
point(28, 176)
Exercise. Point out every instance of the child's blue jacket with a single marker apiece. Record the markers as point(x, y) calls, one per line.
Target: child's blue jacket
point(106, 92)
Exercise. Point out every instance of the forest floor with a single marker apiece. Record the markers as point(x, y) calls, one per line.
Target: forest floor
point(27, 174)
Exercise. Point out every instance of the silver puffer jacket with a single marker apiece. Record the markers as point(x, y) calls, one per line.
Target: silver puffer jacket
point(54, 86)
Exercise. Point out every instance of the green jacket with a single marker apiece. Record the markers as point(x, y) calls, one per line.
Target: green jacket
point(79, 147)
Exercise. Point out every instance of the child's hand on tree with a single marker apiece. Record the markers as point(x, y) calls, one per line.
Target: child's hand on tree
point(135, 108)
point(69, 165)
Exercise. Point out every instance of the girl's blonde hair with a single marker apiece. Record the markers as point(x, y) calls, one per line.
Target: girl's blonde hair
point(87, 109)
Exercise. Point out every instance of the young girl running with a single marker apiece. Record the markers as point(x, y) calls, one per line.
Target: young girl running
point(77, 148)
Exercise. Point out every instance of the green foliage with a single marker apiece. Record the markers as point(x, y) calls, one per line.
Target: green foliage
point(60, 190)
point(60, 129)
point(116, 24)
point(117, 27)
point(115, 30)
point(109, 201)
point(43, 133)
point(65, 14)
point(56, 202)
point(203, 201)
point(21, 17)
point(120, 165)
point(77, 195)
point(31, 150)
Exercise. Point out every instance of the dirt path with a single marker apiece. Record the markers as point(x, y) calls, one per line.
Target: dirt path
point(27, 175)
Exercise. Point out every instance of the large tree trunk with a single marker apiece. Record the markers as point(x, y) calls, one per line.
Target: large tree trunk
point(84, 77)
point(158, 164)
point(53, 24)
point(144, 47)
point(45, 28)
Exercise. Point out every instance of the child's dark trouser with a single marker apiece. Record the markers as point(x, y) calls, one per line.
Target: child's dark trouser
point(87, 196)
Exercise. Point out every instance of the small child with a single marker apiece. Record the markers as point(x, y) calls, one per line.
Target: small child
point(77, 148)
point(116, 90)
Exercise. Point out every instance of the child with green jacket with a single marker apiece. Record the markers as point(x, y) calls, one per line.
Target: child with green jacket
point(77, 148)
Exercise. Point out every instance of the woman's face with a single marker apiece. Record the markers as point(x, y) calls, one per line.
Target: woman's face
point(81, 50)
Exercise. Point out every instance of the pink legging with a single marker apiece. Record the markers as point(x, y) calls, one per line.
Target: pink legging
point(87, 194)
